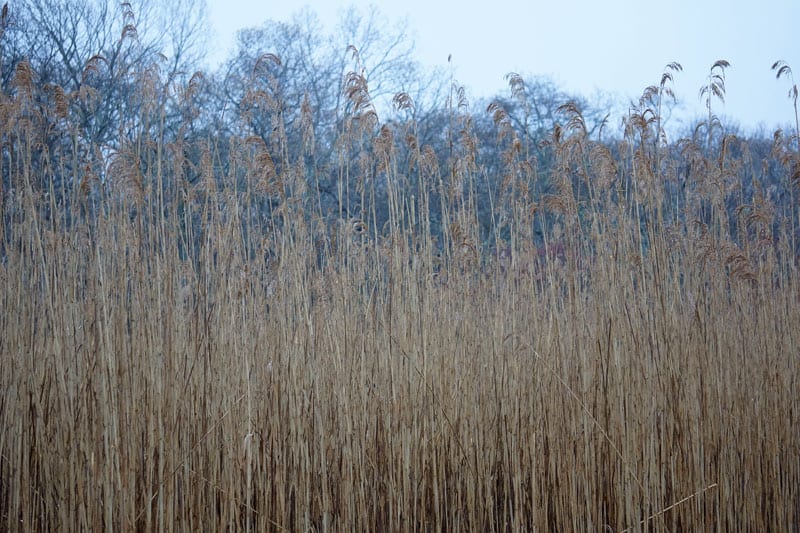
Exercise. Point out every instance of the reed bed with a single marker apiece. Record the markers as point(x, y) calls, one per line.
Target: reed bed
point(172, 366)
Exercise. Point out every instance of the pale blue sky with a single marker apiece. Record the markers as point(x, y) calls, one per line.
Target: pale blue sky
point(618, 46)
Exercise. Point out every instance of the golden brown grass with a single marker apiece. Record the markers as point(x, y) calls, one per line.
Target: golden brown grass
point(347, 378)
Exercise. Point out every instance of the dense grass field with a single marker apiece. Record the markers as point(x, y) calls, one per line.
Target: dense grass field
point(618, 351)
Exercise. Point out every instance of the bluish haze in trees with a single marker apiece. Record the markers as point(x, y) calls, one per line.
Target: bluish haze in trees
point(614, 46)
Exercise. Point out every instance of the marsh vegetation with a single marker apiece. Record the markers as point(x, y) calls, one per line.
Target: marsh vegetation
point(575, 333)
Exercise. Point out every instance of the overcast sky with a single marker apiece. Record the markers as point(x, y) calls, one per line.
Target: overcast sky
point(615, 46)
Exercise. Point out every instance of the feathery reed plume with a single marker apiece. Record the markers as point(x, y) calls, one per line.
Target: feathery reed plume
point(713, 88)
point(782, 69)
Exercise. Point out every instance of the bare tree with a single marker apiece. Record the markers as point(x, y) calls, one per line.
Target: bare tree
point(286, 84)
point(106, 47)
